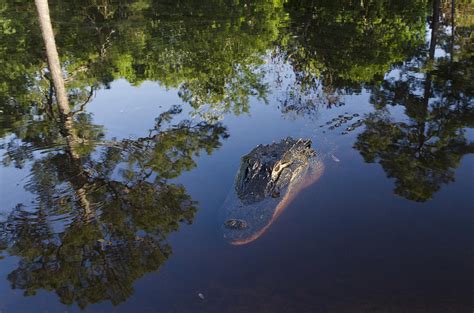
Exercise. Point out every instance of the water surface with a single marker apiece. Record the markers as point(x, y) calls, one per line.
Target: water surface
point(118, 210)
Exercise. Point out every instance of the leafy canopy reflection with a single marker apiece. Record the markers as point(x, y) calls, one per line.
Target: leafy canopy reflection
point(422, 151)
point(101, 217)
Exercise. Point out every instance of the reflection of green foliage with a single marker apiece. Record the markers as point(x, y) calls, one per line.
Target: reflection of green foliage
point(420, 154)
point(422, 151)
point(419, 168)
point(45, 133)
point(78, 264)
point(102, 215)
point(211, 51)
point(349, 43)
point(20, 70)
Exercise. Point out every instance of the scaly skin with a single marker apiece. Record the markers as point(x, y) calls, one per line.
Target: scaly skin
point(269, 179)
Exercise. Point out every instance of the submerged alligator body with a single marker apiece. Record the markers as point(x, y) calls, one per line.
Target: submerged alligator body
point(269, 178)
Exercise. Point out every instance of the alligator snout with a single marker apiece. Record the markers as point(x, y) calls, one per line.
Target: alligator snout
point(235, 224)
point(268, 179)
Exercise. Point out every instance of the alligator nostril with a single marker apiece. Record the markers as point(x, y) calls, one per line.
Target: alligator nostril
point(276, 194)
point(236, 224)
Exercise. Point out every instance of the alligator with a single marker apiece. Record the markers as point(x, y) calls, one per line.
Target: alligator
point(268, 180)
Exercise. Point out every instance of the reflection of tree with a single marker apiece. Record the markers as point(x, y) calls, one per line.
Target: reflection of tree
point(211, 51)
point(54, 65)
point(338, 47)
point(101, 217)
point(422, 152)
point(419, 162)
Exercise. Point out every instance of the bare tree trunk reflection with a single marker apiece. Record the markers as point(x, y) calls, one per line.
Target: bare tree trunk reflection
point(72, 141)
point(427, 86)
point(52, 55)
point(434, 28)
point(453, 27)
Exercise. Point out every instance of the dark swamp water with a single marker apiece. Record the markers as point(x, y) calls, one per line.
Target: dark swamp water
point(117, 208)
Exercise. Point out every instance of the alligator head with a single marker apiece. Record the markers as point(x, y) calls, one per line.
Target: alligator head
point(269, 178)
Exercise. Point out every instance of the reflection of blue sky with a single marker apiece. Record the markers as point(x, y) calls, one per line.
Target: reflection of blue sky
point(129, 112)
point(11, 190)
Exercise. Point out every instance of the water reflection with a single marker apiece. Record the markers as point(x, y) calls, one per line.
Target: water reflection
point(422, 150)
point(101, 216)
point(174, 44)
point(104, 207)
point(338, 48)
